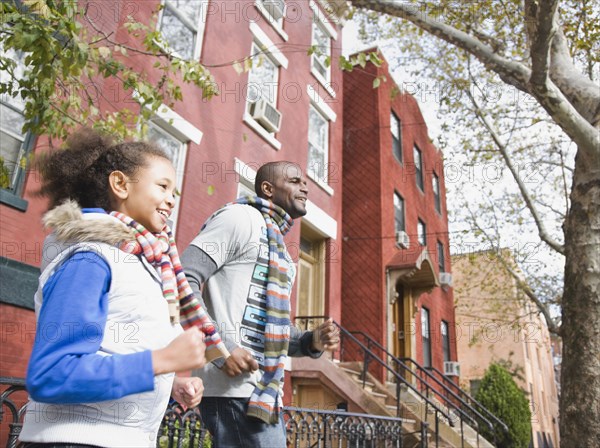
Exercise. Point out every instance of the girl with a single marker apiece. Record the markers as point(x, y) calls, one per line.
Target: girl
point(107, 341)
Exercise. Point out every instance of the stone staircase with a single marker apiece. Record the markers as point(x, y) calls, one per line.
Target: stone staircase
point(414, 410)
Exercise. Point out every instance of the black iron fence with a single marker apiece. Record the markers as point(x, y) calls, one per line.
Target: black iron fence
point(183, 428)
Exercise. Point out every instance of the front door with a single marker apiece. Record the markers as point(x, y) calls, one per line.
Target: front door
point(399, 333)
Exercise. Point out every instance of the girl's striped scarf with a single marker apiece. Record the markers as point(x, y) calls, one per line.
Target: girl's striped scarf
point(264, 402)
point(161, 252)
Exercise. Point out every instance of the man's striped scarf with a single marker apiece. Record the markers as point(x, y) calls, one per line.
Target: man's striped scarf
point(264, 402)
point(161, 252)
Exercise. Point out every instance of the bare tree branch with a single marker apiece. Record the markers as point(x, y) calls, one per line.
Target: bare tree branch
point(543, 233)
point(549, 96)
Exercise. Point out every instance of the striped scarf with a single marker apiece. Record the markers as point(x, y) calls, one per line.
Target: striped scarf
point(161, 252)
point(264, 401)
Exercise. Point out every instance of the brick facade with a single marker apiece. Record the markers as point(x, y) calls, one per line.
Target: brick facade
point(371, 177)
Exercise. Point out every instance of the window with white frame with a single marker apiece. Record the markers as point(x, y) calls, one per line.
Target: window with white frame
point(321, 57)
point(262, 89)
point(318, 146)
point(182, 25)
point(15, 144)
point(176, 151)
point(275, 9)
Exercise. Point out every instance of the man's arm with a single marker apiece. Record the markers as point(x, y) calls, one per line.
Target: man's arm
point(313, 343)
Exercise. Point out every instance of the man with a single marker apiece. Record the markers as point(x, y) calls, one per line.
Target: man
point(240, 260)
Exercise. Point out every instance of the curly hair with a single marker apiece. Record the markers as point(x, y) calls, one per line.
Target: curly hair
point(80, 171)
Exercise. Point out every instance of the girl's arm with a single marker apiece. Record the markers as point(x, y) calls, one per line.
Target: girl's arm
point(64, 366)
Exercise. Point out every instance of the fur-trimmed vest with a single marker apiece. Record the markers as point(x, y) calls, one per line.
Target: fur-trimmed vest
point(138, 320)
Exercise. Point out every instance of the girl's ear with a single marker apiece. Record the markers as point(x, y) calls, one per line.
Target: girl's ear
point(118, 184)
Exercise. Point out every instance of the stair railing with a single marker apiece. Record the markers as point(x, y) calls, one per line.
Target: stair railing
point(369, 356)
point(463, 399)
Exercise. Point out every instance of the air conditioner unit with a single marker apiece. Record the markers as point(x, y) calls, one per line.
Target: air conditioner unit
point(451, 368)
point(275, 8)
point(402, 239)
point(266, 114)
point(445, 279)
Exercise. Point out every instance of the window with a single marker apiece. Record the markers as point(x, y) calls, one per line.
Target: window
point(435, 180)
point(262, 87)
point(275, 10)
point(426, 337)
point(176, 151)
point(321, 58)
point(318, 145)
point(396, 128)
point(418, 167)
point(399, 212)
point(441, 257)
point(15, 145)
point(182, 26)
point(445, 340)
point(422, 233)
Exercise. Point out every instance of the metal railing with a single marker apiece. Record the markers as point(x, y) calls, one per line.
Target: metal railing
point(182, 428)
point(352, 349)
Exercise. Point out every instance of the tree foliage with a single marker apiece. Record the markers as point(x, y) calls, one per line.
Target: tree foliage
point(499, 393)
point(519, 81)
point(67, 56)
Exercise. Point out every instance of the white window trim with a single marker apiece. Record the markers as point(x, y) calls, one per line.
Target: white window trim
point(320, 220)
point(322, 17)
point(317, 180)
point(323, 81)
point(267, 45)
point(179, 126)
point(200, 26)
point(261, 39)
point(317, 101)
point(276, 26)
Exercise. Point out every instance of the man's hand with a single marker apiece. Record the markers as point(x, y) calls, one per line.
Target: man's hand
point(326, 337)
point(240, 361)
point(187, 391)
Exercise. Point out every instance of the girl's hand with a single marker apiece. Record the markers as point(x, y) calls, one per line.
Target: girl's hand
point(187, 391)
point(185, 352)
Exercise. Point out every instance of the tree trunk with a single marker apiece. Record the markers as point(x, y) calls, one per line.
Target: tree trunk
point(580, 376)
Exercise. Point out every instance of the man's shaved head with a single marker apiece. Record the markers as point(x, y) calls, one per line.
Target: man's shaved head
point(270, 172)
point(284, 184)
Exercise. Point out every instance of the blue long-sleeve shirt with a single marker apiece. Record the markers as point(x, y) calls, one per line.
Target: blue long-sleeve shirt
point(64, 366)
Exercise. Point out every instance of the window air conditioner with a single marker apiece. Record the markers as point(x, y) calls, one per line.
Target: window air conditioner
point(445, 279)
point(402, 239)
point(275, 8)
point(451, 368)
point(266, 114)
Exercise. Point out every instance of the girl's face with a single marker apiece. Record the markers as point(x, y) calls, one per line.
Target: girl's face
point(150, 194)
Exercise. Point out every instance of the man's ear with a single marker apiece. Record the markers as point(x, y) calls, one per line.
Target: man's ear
point(118, 183)
point(267, 189)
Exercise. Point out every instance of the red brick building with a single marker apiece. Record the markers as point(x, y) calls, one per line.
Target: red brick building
point(382, 266)
point(286, 107)
point(396, 265)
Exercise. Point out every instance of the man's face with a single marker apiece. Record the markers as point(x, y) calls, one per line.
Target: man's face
point(290, 191)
